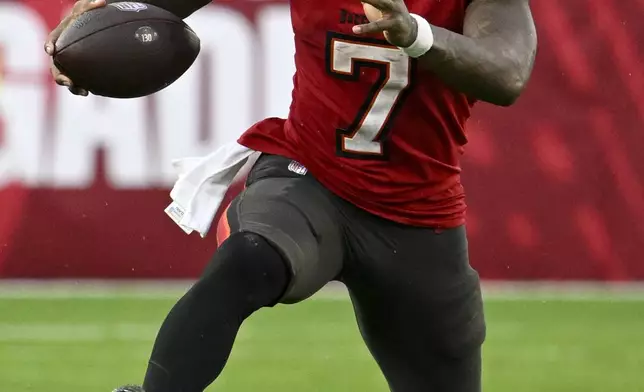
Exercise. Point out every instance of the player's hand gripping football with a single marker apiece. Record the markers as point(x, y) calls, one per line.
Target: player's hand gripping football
point(391, 18)
point(80, 7)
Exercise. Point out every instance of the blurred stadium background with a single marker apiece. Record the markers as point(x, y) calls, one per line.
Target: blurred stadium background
point(90, 264)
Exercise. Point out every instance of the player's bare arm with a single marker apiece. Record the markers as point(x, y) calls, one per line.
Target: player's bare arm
point(182, 9)
point(492, 60)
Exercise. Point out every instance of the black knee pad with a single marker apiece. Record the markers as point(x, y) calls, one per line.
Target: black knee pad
point(462, 329)
point(248, 262)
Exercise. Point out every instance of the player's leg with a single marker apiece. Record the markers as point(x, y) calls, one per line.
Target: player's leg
point(195, 340)
point(284, 247)
point(418, 305)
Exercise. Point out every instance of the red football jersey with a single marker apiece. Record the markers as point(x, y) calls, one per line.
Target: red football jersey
point(366, 122)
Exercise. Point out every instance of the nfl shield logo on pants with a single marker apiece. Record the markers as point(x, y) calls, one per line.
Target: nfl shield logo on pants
point(297, 167)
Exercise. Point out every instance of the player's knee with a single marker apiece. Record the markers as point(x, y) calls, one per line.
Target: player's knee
point(463, 341)
point(248, 261)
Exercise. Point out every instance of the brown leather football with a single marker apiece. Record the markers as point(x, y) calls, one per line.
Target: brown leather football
point(126, 50)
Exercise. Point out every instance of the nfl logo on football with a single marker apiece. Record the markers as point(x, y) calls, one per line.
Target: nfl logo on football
point(130, 6)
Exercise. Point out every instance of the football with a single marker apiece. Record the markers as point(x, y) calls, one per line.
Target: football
point(126, 50)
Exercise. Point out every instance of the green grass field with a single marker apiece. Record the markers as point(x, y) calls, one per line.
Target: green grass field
point(93, 343)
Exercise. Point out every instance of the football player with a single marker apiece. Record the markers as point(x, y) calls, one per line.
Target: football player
point(360, 184)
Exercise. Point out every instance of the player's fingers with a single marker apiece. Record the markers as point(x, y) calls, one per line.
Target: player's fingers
point(88, 5)
point(59, 78)
point(50, 43)
point(85, 5)
point(382, 5)
point(78, 91)
point(63, 80)
point(375, 27)
point(80, 7)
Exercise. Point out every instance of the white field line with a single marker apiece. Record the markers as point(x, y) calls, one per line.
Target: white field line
point(11, 333)
point(61, 333)
point(171, 290)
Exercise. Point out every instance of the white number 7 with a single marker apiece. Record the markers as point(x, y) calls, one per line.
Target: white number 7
point(366, 135)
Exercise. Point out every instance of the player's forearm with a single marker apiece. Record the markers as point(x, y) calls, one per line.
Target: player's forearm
point(492, 61)
point(483, 70)
point(181, 8)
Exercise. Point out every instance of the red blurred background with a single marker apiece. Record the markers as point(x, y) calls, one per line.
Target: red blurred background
point(555, 184)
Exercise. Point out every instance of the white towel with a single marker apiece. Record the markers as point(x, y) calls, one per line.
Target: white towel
point(202, 185)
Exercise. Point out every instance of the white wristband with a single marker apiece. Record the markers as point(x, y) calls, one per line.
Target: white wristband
point(424, 40)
